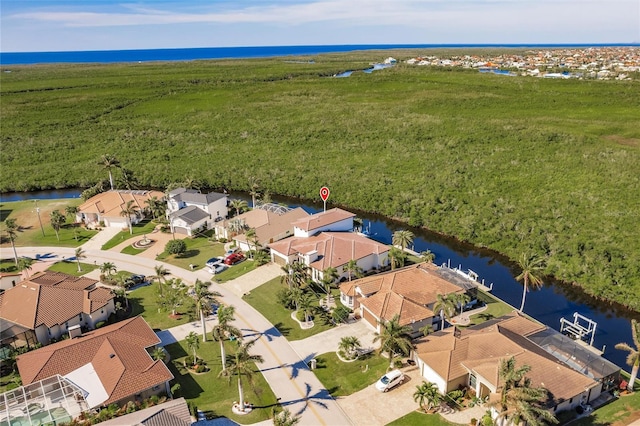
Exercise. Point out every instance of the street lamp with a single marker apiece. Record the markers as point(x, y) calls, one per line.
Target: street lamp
point(39, 220)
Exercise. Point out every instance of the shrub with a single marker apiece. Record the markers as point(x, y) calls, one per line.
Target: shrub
point(176, 247)
point(175, 389)
point(474, 421)
point(397, 363)
point(200, 368)
point(340, 314)
point(100, 324)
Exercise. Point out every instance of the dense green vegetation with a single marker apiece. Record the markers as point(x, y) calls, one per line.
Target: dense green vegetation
point(515, 164)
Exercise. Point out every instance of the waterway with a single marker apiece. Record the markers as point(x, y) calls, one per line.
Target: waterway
point(550, 303)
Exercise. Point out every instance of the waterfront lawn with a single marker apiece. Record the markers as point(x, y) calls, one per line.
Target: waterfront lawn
point(71, 267)
point(495, 308)
point(139, 229)
point(345, 378)
point(199, 250)
point(235, 271)
point(144, 302)
point(264, 299)
point(416, 418)
point(214, 395)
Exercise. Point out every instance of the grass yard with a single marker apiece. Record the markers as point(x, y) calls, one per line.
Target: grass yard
point(8, 265)
point(344, 378)
point(71, 268)
point(131, 250)
point(142, 228)
point(416, 418)
point(214, 395)
point(264, 299)
point(235, 271)
point(199, 250)
point(143, 301)
point(495, 308)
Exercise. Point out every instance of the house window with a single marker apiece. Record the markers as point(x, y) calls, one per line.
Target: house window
point(351, 300)
point(472, 381)
point(80, 317)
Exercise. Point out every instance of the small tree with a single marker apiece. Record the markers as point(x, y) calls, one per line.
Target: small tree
point(350, 345)
point(24, 264)
point(57, 220)
point(193, 344)
point(128, 210)
point(70, 212)
point(402, 238)
point(79, 256)
point(174, 295)
point(427, 396)
point(353, 269)
point(340, 314)
point(108, 268)
point(428, 256)
point(285, 418)
point(158, 353)
point(176, 247)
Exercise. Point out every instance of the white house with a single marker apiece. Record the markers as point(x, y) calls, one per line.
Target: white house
point(335, 220)
point(189, 210)
point(9, 280)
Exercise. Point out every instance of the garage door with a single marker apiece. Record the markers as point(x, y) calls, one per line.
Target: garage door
point(368, 317)
point(279, 260)
point(180, 230)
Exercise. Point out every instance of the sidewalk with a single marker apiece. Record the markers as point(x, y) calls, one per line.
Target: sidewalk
point(100, 239)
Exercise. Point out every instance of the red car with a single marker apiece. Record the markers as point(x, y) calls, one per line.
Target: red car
point(233, 258)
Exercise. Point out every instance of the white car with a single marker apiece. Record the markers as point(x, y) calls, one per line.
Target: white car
point(214, 261)
point(389, 380)
point(216, 269)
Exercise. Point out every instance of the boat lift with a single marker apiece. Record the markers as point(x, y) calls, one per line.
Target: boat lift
point(577, 329)
point(469, 275)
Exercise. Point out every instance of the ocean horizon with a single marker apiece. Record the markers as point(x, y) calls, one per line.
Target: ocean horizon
point(207, 53)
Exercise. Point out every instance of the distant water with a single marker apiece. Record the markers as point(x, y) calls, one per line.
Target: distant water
point(146, 55)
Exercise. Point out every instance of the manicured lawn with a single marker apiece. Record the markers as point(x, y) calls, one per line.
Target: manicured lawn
point(131, 250)
point(142, 228)
point(199, 250)
point(235, 271)
point(416, 418)
point(71, 267)
point(8, 265)
point(344, 378)
point(144, 302)
point(216, 395)
point(495, 309)
point(264, 299)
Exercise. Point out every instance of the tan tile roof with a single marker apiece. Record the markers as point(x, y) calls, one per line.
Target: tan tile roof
point(321, 219)
point(110, 203)
point(386, 305)
point(269, 225)
point(51, 298)
point(334, 248)
point(481, 348)
point(118, 355)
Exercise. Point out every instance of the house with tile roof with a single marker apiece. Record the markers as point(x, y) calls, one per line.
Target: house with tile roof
point(106, 207)
point(170, 413)
point(409, 292)
point(47, 304)
point(112, 365)
point(330, 249)
point(334, 220)
point(456, 358)
point(269, 225)
point(189, 210)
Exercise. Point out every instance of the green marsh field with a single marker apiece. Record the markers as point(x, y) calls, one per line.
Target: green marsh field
point(515, 164)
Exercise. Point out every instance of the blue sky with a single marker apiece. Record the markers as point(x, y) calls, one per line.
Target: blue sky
point(53, 25)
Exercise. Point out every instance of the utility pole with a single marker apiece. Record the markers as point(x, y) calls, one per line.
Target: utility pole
point(39, 220)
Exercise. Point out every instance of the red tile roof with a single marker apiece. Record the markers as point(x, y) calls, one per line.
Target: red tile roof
point(117, 353)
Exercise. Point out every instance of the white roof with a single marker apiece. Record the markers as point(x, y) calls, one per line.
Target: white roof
point(88, 380)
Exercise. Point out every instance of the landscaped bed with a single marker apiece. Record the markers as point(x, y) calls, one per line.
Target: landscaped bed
point(344, 378)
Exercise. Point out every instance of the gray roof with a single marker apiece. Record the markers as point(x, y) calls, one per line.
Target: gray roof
point(171, 413)
point(191, 214)
point(196, 197)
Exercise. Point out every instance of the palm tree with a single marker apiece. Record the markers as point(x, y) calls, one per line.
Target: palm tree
point(79, 256)
point(161, 273)
point(121, 292)
point(129, 209)
point(238, 205)
point(428, 256)
point(191, 183)
point(306, 304)
point(396, 257)
point(285, 418)
point(426, 330)
point(349, 344)
point(155, 206)
point(254, 190)
point(57, 220)
point(175, 295)
point(241, 365)
point(394, 338)
point(446, 306)
point(295, 295)
point(193, 344)
point(24, 264)
point(260, 257)
point(236, 226)
point(158, 353)
point(518, 400)
point(633, 359)
point(287, 278)
point(108, 268)
point(427, 396)
point(128, 180)
point(12, 228)
point(204, 298)
point(460, 300)
point(402, 238)
point(352, 268)
point(224, 328)
point(109, 162)
point(329, 277)
point(251, 237)
point(71, 211)
point(531, 266)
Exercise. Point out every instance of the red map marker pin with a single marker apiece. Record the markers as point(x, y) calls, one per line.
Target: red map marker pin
point(324, 193)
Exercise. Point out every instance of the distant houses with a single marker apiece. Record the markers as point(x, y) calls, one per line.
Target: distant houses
point(189, 210)
point(105, 209)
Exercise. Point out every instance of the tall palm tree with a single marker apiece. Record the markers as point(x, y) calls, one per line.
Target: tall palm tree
point(238, 205)
point(155, 206)
point(633, 359)
point(402, 238)
point(427, 395)
point(128, 179)
point(204, 298)
point(251, 237)
point(80, 254)
point(224, 329)
point(57, 220)
point(12, 228)
point(396, 258)
point(349, 344)
point(241, 364)
point(254, 190)
point(161, 273)
point(394, 338)
point(460, 300)
point(109, 162)
point(129, 209)
point(428, 256)
point(24, 264)
point(108, 268)
point(353, 269)
point(446, 306)
point(193, 344)
point(70, 212)
point(518, 400)
point(531, 266)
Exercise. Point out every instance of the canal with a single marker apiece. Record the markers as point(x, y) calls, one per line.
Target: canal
point(550, 303)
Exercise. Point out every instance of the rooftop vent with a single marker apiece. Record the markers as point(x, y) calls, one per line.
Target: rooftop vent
point(112, 355)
